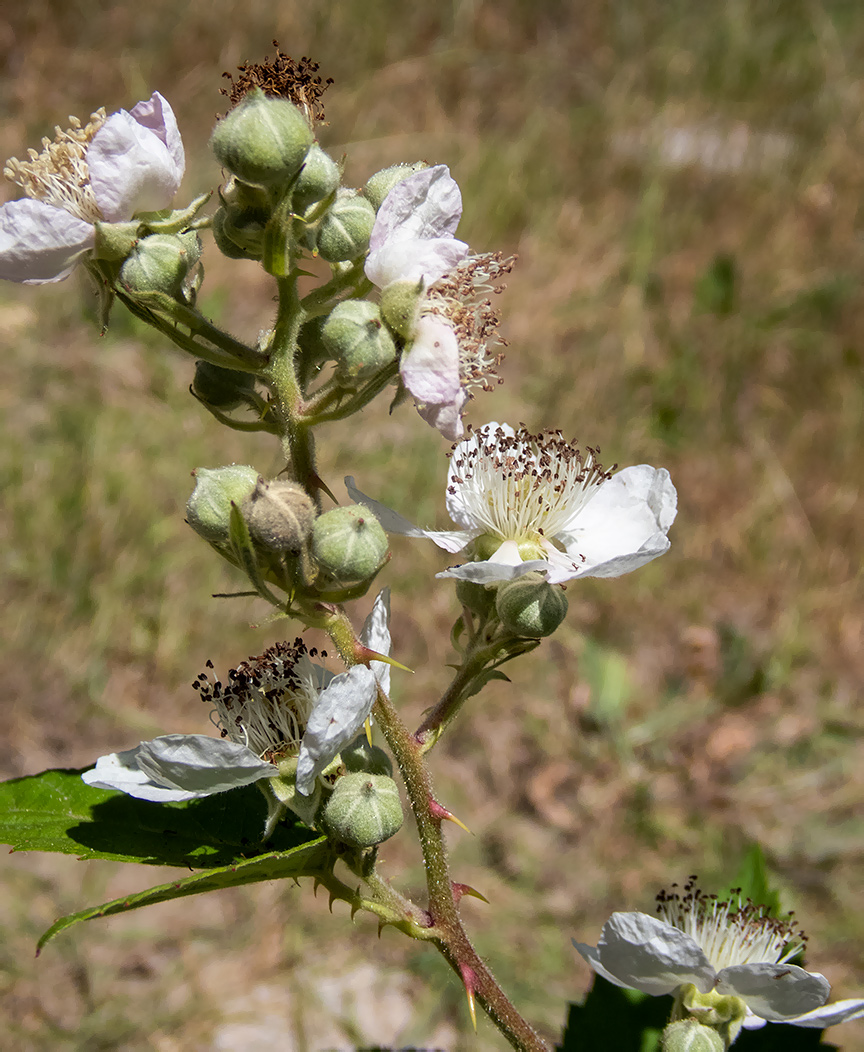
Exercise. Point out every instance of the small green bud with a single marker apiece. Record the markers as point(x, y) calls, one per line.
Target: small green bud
point(364, 809)
point(399, 306)
point(357, 340)
point(224, 243)
point(161, 262)
point(688, 1035)
point(530, 606)
point(363, 757)
point(381, 183)
point(263, 141)
point(242, 229)
point(279, 515)
point(222, 388)
point(208, 510)
point(478, 598)
point(349, 544)
point(345, 230)
point(319, 177)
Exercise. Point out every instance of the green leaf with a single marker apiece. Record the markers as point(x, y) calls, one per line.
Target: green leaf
point(305, 860)
point(56, 811)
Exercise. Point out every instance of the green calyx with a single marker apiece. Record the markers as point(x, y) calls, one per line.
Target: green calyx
point(362, 757)
point(688, 1035)
point(724, 1014)
point(381, 183)
point(208, 510)
point(399, 302)
point(318, 178)
point(357, 340)
point(349, 545)
point(346, 228)
point(363, 810)
point(263, 141)
point(530, 606)
point(161, 263)
point(222, 388)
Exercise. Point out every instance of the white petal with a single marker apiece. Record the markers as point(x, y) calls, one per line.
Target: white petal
point(376, 635)
point(131, 168)
point(428, 204)
point(624, 524)
point(430, 369)
point(457, 508)
point(446, 417)
point(489, 572)
point(200, 764)
point(156, 115)
point(425, 261)
point(829, 1015)
point(40, 243)
point(449, 540)
point(776, 992)
point(339, 713)
point(645, 954)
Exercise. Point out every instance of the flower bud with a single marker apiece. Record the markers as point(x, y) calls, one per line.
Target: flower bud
point(208, 510)
point(345, 230)
point(381, 183)
point(688, 1035)
point(530, 606)
point(399, 302)
point(319, 177)
point(477, 598)
point(221, 388)
point(357, 340)
point(279, 515)
point(364, 809)
point(348, 544)
point(263, 141)
point(224, 243)
point(239, 232)
point(161, 262)
point(365, 758)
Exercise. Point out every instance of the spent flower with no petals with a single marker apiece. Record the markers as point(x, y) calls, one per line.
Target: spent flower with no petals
point(534, 502)
point(436, 295)
point(100, 172)
point(727, 959)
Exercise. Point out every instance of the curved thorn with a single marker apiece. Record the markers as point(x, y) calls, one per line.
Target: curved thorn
point(468, 979)
point(443, 815)
point(465, 889)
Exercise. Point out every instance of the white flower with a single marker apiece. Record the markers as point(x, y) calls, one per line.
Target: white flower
point(102, 172)
point(731, 948)
point(274, 706)
point(526, 502)
point(453, 334)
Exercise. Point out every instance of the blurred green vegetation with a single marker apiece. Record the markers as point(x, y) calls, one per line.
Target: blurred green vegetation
point(681, 183)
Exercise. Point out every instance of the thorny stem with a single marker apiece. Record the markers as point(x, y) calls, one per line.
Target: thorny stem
point(447, 931)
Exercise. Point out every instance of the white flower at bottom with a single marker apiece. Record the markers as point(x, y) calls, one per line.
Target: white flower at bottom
point(732, 948)
point(101, 172)
point(528, 502)
point(274, 706)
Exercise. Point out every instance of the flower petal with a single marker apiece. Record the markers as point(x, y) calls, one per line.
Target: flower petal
point(624, 524)
point(829, 1015)
point(643, 953)
point(339, 713)
point(457, 508)
point(156, 114)
point(132, 166)
point(428, 204)
point(376, 635)
point(178, 767)
point(430, 369)
point(446, 417)
point(417, 260)
point(776, 992)
point(449, 540)
point(40, 243)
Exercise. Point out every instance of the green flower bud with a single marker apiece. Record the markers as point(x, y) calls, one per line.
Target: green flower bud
point(688, 1035)
point(357, 340)
point(208, 510)
point(366, 758)
point(363, 810)
point(224, 243)
point(530, 606)
point(381, 183)
point(242, 228)
point(319, 177)
point(477, 598)
point(263, 141)
point(279, 515)
point(345, 230)
point(399, 306)
point(161, 262)
point(348, 544)
point(221, 388)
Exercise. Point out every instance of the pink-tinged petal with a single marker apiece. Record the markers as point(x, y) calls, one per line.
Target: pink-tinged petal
point(430, 369)
point(131, 168)
point(418, 260)
point(376, 635)
point(449, 540)
point(830, 1015)
point(623, 526)
point(156, 115)
point(776, 992)
point(428, 204)
point(446, 417)
point(40, 243)
point(339, 713)
point(645, 954)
